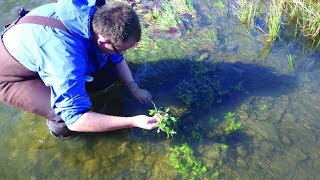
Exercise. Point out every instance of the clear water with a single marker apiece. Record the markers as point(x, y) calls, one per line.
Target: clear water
point(278, 107)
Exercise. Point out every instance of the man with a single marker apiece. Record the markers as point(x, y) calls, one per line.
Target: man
point(45, 69)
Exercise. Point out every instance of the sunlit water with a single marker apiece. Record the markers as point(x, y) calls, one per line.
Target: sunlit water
point(278, 106)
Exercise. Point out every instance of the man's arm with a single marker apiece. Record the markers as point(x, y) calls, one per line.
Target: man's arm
point(125, 75)
point(95, 122)
point(124, 72)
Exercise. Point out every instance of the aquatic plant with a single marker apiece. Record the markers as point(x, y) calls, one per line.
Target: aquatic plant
point(305, 14)
point(230, 125)
point(196, 135)
point(264, 107)
point(220, 147)
point(246, 11)
point(291, 63)
point(183, 160)
point(226, 127)
point(274, 19)
point(219, 4)
point(302, 14)
point(200, 91)
point(213, 121)
point(183, 7)
point(166, 120)
point(199, 94)
point(165, 18)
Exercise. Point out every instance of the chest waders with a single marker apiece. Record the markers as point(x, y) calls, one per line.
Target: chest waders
point(22, 88)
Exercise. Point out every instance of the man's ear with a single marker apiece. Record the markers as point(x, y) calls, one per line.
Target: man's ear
point(102, 40)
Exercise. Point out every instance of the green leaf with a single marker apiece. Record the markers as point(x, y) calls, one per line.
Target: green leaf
point(219, 4)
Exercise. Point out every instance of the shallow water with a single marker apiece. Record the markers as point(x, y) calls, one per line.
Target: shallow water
point(278, 106)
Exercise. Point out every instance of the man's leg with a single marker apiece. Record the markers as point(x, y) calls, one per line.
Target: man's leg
point(22, 88)
point(33, 96)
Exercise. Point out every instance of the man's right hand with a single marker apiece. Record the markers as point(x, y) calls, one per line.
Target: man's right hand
point(145, 122)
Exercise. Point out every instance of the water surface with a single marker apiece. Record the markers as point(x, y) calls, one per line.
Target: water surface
point(278, 106)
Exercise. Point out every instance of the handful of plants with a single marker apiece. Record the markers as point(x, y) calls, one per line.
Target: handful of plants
point(166, 120)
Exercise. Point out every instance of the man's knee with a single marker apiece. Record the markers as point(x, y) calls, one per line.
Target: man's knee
point(59, 129)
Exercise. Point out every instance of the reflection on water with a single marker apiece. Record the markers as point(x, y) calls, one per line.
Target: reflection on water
point(229, 73)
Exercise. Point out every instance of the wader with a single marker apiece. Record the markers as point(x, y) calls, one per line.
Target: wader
point(22, 88)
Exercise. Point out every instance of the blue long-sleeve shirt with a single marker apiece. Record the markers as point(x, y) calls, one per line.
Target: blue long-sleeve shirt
point(64, 61)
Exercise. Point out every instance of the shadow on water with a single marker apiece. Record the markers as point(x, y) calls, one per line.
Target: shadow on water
point(197, 92)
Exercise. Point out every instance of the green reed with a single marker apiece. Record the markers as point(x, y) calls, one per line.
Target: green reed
point(302, 14)
point(290, 62)
point(246, 11)
point(305, 13)
point(274, 20)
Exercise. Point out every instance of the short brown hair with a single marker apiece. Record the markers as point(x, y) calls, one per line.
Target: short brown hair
point(118, 22)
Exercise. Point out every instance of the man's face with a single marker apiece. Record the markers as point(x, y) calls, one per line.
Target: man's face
point(106, 47)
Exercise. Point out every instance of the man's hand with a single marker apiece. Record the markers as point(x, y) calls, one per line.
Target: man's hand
point(142, 95)
point(145, 122)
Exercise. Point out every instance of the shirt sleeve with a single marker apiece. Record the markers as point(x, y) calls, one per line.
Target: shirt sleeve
point(115, 58)
point(62, 67)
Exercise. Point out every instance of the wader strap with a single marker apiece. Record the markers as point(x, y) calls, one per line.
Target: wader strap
point(41, 20)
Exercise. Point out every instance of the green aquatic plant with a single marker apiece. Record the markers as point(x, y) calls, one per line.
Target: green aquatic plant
point(305, 14)
point(302, 14)
point(219, 148)
point(291, 63)
point(151, 48)
point(219, 4)
point(230, 125)
point(213, 121)
point(200, 91)
point(264, 107)
point(165, 18)
point(274, 19)
point(196, 135)
point(183, 6)
point(246, 11)
point(166, 120)
point(182, 159)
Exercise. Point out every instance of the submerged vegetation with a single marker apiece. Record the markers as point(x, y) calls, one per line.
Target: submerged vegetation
point(183, 160)
point(228, 126)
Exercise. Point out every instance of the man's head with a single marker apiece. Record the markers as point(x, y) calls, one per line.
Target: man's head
point(116, 27)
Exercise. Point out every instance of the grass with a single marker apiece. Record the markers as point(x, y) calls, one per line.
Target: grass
point(302, 14)
point(246, 12)
point(305, 13)
point(291, 63)
point(274, 20)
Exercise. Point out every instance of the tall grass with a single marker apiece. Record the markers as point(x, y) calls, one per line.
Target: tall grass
point(302, 14)
point(305, 13)
point(246, 11)
point(274, 19)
